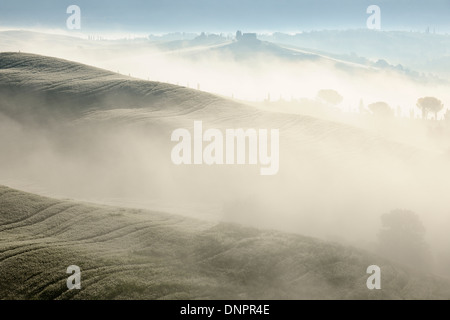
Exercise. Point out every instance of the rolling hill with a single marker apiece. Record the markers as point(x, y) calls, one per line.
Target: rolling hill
point(88, 134)
point(250, 70)
point(135, 254)
point(61, 86)
point(420, 51)
point(73, 118)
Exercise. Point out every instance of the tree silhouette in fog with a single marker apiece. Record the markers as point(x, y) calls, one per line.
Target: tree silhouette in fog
point(381, 109)
point(329, 96)
point(402, 239)
point(447, 115)
point(429, 104)
point(238, 35)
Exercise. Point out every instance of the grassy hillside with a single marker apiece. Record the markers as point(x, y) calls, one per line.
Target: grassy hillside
point(126, 253)
point(36, 83)
point(112, 140)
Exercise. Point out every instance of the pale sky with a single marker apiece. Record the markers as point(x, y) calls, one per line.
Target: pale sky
point(150, 16)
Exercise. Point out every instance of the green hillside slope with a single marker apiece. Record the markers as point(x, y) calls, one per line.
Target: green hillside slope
point(127, 253)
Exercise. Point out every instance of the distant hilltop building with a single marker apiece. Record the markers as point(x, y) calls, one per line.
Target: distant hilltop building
point(247, 37)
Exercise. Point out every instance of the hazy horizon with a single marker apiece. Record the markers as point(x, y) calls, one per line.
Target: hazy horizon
point(138, 16)
point(317, 133)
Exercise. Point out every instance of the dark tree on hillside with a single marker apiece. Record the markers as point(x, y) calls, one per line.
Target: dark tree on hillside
point(330, 96)
point(381, 109)
point(402, 239)
point(429, 104)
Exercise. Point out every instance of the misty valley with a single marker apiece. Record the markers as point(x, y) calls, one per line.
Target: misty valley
point(237, 165)
point(234, 147)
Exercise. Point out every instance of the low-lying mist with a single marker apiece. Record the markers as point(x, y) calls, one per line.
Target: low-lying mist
point(334, 182)
point(335, 179)
point(254, 71)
